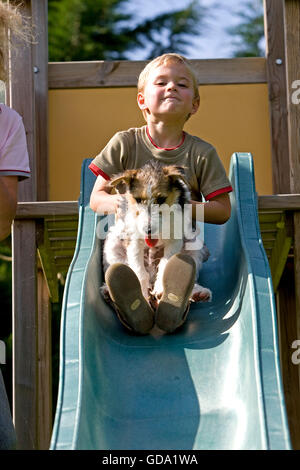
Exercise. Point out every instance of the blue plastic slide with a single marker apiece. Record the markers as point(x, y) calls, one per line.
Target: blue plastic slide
point(213, 384)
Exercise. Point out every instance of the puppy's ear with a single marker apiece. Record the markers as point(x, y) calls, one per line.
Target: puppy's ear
point(175, 172)
point(122, 181)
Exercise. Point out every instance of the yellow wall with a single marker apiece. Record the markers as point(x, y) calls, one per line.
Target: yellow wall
point(234, 118)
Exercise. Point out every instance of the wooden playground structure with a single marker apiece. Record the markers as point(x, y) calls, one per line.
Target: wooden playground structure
point(44, 232)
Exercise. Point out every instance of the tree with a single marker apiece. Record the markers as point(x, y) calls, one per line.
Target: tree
point(100, 30)
point(249, 33)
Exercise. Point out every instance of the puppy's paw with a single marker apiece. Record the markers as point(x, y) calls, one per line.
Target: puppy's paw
point(201, 294)
point(157, 290)
point(104, 292)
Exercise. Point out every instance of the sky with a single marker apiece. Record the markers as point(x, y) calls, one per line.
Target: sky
point(214, 42)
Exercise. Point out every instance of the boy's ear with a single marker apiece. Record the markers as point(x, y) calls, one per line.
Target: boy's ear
point(141, 101)
point(196, 104)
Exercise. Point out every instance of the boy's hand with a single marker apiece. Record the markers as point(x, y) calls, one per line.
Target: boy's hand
point(101, 200)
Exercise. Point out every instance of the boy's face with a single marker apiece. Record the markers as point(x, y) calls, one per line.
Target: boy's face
point(169, 92)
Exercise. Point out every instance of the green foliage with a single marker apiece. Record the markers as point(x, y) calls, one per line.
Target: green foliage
point(249, 33)
point(99, 30)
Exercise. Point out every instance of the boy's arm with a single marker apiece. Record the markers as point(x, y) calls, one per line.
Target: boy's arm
point(216, 211)
point(101, 200)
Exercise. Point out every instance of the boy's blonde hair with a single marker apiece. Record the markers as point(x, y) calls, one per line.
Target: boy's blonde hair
point(165, 59)
point(11, 19)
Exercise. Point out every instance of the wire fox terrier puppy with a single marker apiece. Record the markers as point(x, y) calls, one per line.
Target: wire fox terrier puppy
point(152, 255)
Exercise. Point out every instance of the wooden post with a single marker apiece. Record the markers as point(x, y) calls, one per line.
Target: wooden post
point(44, 403)
point(287, 328)
point(40, 74)
point(276, 77)
point(28, 96)
point(25, 392)
point(282, 41)
point(292, 59)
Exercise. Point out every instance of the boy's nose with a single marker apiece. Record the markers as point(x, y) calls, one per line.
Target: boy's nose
point(171, 86)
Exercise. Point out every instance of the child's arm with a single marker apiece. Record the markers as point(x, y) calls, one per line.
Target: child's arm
point(101, 200)
point(216, 211)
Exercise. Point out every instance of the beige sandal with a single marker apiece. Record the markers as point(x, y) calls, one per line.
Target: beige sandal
point(178, 283)
point(125, 291)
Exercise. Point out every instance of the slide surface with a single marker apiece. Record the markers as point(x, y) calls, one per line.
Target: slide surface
point(214, 384)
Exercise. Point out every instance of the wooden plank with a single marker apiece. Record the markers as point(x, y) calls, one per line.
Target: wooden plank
point(34, 210)
point(292, 19)
point(28, 96)
point(40, 209)
point(292, 56)
point(286, 311)
point(44, 364)
point(279, 202)
point(280, 252)
point(46, 260)
point(276, 77)
point(97, 74)
point(22, 99)
point(25, 387)
point(40, 63)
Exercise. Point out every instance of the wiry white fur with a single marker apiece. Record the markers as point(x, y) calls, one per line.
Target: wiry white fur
point(125, 243)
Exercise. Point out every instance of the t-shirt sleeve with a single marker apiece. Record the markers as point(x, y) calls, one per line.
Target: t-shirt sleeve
point(212, 177)
point(14, 158)
point(112, 159)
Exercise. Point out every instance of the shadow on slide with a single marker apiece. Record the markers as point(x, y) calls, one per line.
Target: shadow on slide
point(214, 384)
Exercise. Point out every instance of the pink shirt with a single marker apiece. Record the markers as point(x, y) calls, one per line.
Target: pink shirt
point(14, 158)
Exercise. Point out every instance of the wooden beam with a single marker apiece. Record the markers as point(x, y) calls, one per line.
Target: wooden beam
point(286, 311)
point(38, 210)
point(28, 96)
point(125, 73)
point(292, 57)
point(44, 364)
point(284, 202)
point(40, 80)
point(22, 99)
point(25, 385)
point(292, 38)
point(276, 77)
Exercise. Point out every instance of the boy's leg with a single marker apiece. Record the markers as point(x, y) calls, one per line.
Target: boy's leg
point(126, 294)
point(178, 281)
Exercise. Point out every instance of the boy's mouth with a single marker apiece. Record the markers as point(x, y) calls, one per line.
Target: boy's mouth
point(171, 98)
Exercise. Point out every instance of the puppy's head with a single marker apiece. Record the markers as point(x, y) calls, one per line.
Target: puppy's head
point(153, 184)
point(150, 187)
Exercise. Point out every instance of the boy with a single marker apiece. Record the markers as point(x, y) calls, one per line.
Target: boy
point(167, 96)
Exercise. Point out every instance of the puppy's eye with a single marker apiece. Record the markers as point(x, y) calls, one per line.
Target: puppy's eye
point(161, 200)
point(138, 200)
